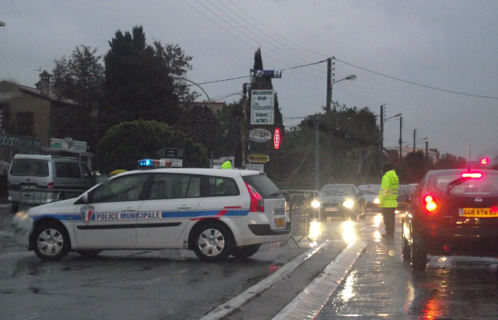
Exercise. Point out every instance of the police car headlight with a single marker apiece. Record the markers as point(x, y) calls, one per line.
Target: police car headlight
point(348, 203)
point(376, 201)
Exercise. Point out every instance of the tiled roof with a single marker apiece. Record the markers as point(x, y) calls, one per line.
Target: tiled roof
point(37, 92)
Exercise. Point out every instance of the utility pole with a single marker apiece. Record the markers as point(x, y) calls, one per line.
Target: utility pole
point(400, 140)
point(244, 124)
point(414, 138)
point(381, 143)
point(317, 154)
point(328, 113)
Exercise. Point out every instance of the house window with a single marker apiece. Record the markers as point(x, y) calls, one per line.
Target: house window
point(25, 123)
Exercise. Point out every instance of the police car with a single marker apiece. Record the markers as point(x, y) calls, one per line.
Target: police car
point(214, 212)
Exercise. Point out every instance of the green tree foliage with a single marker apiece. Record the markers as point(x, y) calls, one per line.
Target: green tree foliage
point(449, 161)
point(230, 119)
point(137, 78)
point(79, 78)
point(203, 126)
point(126, 143)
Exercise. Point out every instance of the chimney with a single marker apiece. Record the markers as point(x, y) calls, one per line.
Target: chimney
point(44, 84)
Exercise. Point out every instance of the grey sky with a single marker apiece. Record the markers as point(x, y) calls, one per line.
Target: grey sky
point(450, 45)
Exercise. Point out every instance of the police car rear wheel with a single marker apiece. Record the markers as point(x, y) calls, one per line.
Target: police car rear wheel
point(213, 242)
point(51, 242)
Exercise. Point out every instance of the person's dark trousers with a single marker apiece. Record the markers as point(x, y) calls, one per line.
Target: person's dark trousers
point(388, 214)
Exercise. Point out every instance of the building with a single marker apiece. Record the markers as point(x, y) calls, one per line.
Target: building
point(431, 154)
point(30, 117)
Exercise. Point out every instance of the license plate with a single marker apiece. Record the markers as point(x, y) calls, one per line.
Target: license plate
point(29, 186)
point(331, 209)
point(280, 222)
point(478, 213)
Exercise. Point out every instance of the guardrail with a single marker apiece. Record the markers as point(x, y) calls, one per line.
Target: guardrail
point(301, 213)
point(36, 197)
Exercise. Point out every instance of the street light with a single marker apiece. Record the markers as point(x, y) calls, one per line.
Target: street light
point(328, 111)
point(174, 76)
point(381, 123)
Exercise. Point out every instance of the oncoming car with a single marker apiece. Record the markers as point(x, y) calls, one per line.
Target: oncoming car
point(452, 212)
point(341, 200)
point(214, 212)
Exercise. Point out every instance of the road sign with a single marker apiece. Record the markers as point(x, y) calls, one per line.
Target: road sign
point(259, 135)
point(258, 158)
point(268, 73)
point(262, 107)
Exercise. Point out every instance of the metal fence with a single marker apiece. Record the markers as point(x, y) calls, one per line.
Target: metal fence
point(36, 197)
point(302, 213)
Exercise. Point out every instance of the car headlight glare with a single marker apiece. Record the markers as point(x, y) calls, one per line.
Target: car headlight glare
point(348, 203)
point(376, 201)
point(315, 203)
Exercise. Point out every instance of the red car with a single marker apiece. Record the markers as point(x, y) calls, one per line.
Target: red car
point(452, 212)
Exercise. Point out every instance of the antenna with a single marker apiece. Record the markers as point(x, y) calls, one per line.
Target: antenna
point(470, 148)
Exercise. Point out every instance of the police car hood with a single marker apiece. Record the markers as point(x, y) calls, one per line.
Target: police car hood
point(63, 206)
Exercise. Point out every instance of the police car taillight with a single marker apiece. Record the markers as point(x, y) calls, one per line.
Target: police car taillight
point(153, 163)
point(257, 202)
point(50, 186)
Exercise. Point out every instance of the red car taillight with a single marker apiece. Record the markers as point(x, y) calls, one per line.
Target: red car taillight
point(50, 186)
point(257, 202)
point(430, 203)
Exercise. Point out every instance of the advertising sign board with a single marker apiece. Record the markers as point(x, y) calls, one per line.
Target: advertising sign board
point(262, 107)
point(259, 135)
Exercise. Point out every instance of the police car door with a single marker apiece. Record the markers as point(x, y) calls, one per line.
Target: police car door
point(168, 206)
point(109, 219)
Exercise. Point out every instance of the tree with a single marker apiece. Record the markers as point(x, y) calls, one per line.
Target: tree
point(137, 78)
point(203, 126)
point(80, 78)
point(143, 140)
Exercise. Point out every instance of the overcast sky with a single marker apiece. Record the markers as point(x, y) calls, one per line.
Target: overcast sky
point(433, 61)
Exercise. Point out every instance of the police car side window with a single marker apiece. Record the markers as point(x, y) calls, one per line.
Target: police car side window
point(221, 186)
point(125, 188)
point(173, 186)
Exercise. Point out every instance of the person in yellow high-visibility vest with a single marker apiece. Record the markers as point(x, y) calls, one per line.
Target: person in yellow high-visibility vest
point(226, 165)
point(389, 188)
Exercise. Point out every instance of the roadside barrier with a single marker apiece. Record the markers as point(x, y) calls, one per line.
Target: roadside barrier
point(36, 197)
point(302, 213)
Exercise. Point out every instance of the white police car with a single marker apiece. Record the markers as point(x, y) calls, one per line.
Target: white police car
point(214, 212)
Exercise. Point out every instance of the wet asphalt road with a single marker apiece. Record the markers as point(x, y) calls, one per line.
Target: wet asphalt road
point(381, 286)
point(376, 285)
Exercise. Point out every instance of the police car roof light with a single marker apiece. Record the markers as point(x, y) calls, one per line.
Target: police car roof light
point(153, 163)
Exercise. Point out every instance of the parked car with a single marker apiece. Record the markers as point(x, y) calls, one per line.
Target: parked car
point(30, 172)
point(452, 212)
point(214, 212)
point(341, 200)
point(371, 195)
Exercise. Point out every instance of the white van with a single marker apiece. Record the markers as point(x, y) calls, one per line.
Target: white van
point(67, 177)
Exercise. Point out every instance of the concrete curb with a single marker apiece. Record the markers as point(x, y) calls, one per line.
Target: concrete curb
point(311, 300)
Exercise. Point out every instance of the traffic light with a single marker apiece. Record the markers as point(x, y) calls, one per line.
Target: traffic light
point(484, 161)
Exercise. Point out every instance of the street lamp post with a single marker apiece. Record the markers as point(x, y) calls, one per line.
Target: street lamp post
point(381, 123)
point(174, 76)
point(328, 112)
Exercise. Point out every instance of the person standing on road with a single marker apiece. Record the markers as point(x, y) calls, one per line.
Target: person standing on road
point(388, 193)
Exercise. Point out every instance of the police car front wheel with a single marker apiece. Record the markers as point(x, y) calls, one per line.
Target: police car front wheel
point(213, 242)
point(51, 241)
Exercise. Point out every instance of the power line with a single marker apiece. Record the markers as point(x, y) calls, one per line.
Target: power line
point(418, 84)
